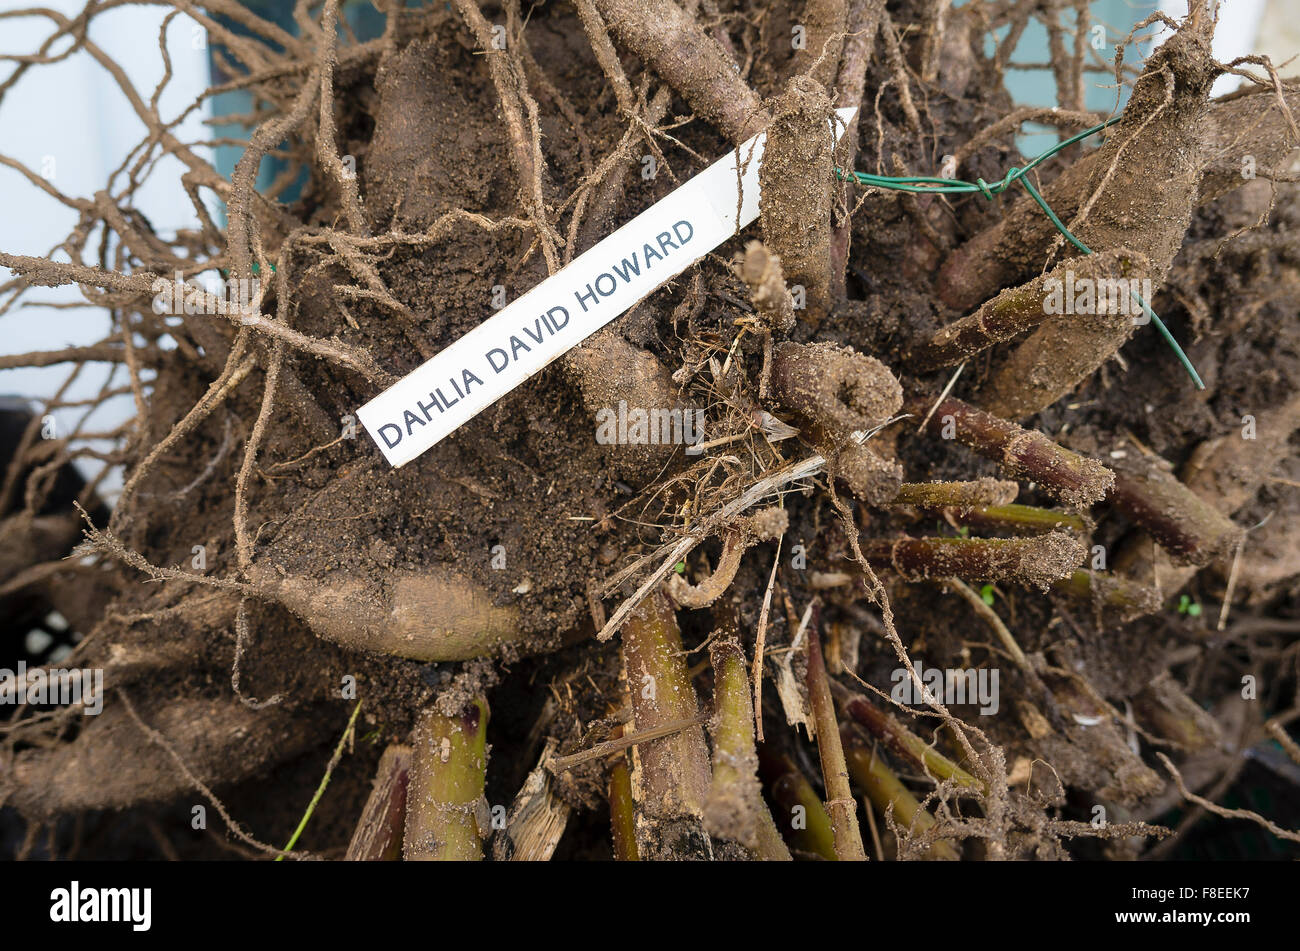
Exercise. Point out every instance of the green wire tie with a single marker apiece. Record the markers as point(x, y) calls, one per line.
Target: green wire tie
point(1014, 175)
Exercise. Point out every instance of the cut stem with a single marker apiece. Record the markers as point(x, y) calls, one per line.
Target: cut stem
point(1113, 592)
point(802, 817)
point(1017, 519)
point(1039, 560)
point(1186, 526)
point(980, 493)
point(735, 809)
point(841, 805)
point(904, 743)
point(622, 811)
point(670, 779)
point(448, 769)
point(885, 789)
point(1018, 309)
point(1022, 453)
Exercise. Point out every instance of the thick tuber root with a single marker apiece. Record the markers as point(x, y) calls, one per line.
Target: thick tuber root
point(676, 47)
point(29, 541)
point(609, 370)
point(1013, 250)
point(1141, 206)
point(1223, 474)
point(425, 615)
point(113, 763)
point(796, 182)
point(834, 390)
point(1165, 709)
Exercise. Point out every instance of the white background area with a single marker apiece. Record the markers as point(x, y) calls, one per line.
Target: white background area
point(71, 121)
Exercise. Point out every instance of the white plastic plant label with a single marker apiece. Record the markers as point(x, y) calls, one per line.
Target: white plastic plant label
point(475, 371)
